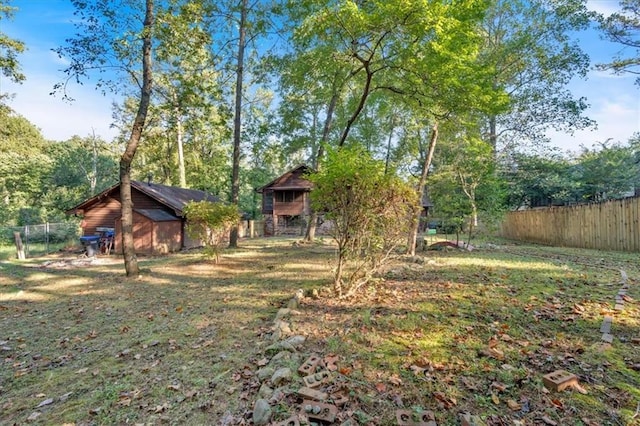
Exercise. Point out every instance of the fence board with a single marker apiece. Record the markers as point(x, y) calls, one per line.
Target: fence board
point(610, 225)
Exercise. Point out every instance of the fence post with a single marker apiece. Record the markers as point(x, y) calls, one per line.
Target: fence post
point(251, 229)
point(46, 236)
point(19, 246)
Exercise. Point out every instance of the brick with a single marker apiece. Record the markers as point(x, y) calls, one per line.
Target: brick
point(320, 411)
point(316, 379)
point(606, 337)
point(309, 393)
point(606, 325)
point(291, 421)
point(409, 418)
point(559, 380)
point(310, 365)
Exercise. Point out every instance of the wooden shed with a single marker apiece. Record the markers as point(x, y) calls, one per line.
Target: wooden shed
point(286, 202)
point(159, 224)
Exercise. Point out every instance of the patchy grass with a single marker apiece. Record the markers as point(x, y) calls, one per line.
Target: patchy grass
point(454, 332)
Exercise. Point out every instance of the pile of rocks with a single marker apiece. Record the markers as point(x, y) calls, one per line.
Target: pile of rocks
point(309, 384)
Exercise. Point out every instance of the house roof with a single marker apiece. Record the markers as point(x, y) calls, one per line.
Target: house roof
point(290, 180)
point(157, 215)
point(170, 196)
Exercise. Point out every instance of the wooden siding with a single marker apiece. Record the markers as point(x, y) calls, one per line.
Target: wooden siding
point(611, 225)
point(299, 206)
point(102, 214)
point(267, 201)
point(151, 237)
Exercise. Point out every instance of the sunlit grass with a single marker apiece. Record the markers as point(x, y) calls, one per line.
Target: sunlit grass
point(122, 347)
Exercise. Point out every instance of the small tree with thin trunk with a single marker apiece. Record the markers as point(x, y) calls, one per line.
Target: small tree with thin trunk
point(210, 223)
point(368, 210)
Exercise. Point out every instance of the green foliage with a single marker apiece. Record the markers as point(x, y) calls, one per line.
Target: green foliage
point(369, 211)
point(210, 223)
point(607, 172)
point(9, 48)
point(623, 27)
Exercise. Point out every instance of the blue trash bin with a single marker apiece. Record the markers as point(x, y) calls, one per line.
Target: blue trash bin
point(90, 244)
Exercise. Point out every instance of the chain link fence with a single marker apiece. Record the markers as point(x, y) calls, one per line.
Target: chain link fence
point(42, 238)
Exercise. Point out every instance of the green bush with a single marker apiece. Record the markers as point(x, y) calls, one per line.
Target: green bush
point(210, 223)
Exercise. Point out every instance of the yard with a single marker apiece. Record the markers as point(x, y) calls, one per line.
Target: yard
point(451, 332)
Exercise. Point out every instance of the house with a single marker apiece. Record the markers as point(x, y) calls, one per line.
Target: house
point(286, 203)
point(159, 224)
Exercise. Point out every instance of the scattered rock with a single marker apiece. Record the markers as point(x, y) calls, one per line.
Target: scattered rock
point(264, 373)
point(265, 391)
point(295, 341)
point(281, 376)
point(261, 412)
point(33, 416)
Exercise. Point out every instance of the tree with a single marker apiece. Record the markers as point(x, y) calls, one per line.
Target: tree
point(108, 41)
point(467, 182)
point(368, 210)
point(539, 179)
point(210, 223)
point(9, 48)
point(24, 167)
point(623, 27)
point(528, 46)
point(606, 173)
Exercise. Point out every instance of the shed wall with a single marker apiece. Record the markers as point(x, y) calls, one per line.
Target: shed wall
point(102, 214)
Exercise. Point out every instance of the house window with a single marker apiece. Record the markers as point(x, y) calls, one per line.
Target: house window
point(287, 196)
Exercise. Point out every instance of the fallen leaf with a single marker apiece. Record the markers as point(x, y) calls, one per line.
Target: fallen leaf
point(496, 353)
point(345, 371)
point(495, 398)
point(395, 380)
point(381, 387)
point(417, 370)
point(262, 362)
point(557, 403)
point(548, 421)
point(513, 405)
point(446, 401)
point(500, 387)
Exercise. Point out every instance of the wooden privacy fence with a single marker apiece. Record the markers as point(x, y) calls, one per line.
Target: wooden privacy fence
point(610, 225)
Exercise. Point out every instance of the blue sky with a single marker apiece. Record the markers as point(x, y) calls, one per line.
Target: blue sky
point(45, 24)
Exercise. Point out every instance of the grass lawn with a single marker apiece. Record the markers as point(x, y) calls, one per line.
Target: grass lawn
point(448, 331)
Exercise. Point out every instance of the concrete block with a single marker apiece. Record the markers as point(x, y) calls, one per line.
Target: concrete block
point(559, 380)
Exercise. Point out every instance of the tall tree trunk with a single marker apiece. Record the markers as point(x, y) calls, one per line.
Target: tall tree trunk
point(181, 169)
point(237, 120)
point(128, 247)
point(93, 178)
point(388, 155)
point(313, 217)
point(415, 219)
point(493, 135)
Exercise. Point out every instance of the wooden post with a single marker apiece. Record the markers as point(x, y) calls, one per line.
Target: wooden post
point(19, 246)
point(251, 229)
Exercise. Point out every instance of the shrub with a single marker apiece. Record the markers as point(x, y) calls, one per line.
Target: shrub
point(369, 209)
point(210, 223)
